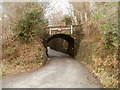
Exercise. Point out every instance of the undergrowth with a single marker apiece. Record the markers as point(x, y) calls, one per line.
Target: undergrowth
point(99, 53)
point(18, 58)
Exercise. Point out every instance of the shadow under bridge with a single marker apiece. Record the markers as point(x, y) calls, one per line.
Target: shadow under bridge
point(61, 42)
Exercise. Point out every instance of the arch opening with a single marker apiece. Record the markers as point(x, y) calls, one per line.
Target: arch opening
point(62, 42)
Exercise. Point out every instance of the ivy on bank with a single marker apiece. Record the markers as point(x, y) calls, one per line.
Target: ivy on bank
point(31, 25)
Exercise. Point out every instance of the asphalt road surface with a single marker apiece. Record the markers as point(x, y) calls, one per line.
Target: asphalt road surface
point(60, 72)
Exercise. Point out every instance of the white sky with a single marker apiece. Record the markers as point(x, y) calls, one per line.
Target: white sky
point(56, 5)
point(59, 5)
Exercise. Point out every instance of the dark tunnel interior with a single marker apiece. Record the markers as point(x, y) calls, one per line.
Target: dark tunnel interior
point(62, 42)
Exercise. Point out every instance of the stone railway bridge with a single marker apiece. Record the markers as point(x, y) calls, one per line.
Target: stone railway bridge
point(72, 34)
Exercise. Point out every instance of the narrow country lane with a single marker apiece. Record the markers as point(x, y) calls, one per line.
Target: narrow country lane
point(61, 72)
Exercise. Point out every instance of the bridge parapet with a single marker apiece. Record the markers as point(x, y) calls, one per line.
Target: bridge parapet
point(60, 29)
point(69, 29)
point(74, 31)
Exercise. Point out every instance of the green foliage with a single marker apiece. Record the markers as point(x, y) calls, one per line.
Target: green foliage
point(28, 27)
point(97, 16)
point(104, 51)
point(107, 16)
point(67, 19)
point(111, 41)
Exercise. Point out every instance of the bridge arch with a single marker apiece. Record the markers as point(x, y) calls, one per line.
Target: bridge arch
point(68, 38)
